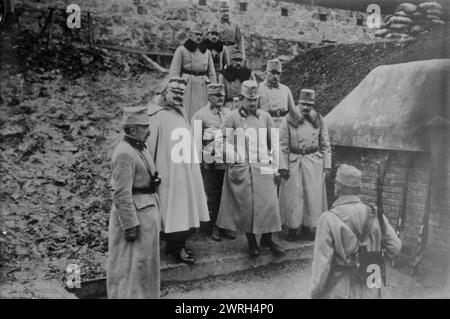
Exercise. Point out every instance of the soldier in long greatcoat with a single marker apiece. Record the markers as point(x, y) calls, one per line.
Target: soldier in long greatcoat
point(193, 62)
point(133, 268)
point(305, 160)
point(210, 118)
point(249, 197)
point(182, 195)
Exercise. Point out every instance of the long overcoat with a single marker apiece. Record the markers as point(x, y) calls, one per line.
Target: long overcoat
point(133, 268)
point(249, 195)
point(196, 92)
point(303, 195)
point(182, 194)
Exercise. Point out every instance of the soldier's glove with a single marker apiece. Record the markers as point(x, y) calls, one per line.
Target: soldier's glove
point(284, 173)
point(327, 172)
point(131, 233)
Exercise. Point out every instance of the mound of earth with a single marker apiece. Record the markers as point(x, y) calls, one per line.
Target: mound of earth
point(61, 112)
point(335, 70)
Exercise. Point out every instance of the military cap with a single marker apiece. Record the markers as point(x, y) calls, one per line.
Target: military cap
point(235, 53)
point(196, 28)
point(249, 89)
point(214, 27)
point(176, 84)
point(216, 89)
point(135, 115)
point(224, 5)
point(348, 175)
point(307, 96)
point(273, 64)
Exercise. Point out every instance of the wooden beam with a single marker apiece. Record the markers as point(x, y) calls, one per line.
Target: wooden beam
point(135, 51)
point(155, 65)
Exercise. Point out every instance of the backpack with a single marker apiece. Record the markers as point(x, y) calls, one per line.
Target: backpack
point(367, 265)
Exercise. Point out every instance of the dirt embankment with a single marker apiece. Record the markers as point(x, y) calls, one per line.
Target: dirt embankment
point(61, 110)
point(335, 70)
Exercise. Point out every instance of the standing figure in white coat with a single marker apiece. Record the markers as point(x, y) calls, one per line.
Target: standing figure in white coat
point(182, 195)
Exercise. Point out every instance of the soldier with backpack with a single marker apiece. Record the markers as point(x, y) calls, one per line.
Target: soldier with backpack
point(351, 244)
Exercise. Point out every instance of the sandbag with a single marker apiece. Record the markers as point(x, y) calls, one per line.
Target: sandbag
point(431, 17)
point(418, 15)
point(401, 20)
point(407, 7)
point(430, 5)
point(400, 13)
point(401, 36)
point(434, 12)
point(388, 36)
point(438, 22)
point(417, 29)
point(399, 26)
point(406, 38)
point(381, 32)
point(387, 22)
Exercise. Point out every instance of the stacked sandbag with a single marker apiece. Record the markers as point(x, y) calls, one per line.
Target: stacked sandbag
point(410, 20)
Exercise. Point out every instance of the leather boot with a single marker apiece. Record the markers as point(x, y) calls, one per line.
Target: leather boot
point(311, 235)
point(253, 249)
point(308, 234)
point(266, 241)
point(228, 234)
point(292, 235)
point(182, 256)
point(216, 234)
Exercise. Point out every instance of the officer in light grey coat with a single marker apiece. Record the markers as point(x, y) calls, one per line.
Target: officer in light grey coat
point(133, 269)
point(338, 230)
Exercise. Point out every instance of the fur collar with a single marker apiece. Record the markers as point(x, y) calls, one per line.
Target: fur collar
point(296, 118)
point(231, 74)
point(218, 46)
point(191, 46)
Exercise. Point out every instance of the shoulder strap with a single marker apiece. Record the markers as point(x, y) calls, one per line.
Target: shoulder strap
point(145, 160)
point(344, 219)
point(366, 228)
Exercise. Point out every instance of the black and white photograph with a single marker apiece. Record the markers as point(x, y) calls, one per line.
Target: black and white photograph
point(224, 155)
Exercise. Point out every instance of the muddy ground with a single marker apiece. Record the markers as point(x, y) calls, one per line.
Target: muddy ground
point(291, 280)
point(61, 111)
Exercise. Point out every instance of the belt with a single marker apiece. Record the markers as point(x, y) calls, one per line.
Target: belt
point(304, 152)
point(197, 73)
point(277, 113)
point(227, 43)
point(144, 190)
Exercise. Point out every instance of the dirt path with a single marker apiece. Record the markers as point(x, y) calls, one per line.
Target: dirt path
point(291, 280)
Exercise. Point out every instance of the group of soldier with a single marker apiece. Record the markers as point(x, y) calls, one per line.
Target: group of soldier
point(210, 84)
